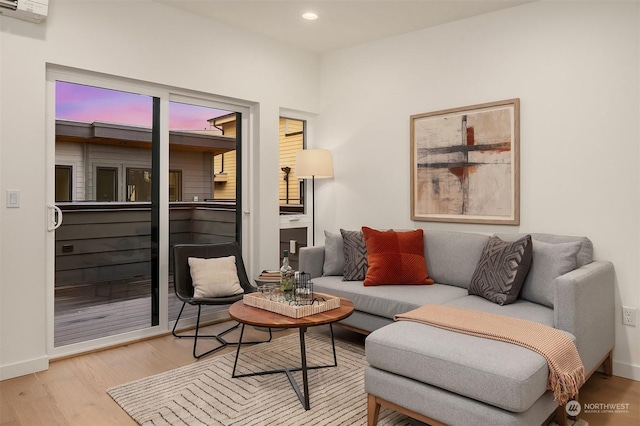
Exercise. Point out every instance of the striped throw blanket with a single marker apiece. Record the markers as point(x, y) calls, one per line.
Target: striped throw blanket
point(566, 372)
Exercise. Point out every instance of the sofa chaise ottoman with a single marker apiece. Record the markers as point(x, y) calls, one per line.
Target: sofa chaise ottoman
point(440, 376)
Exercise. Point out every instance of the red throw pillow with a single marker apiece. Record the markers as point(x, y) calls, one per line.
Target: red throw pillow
point(395, 257)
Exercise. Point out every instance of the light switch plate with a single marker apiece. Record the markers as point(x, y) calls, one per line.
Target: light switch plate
point(13, 198)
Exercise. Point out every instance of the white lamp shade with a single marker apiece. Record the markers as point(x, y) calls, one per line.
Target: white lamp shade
point(314, 163)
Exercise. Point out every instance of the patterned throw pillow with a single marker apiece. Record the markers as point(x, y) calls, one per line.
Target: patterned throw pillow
point(355, 256)
point(501, 270)
point(395, 257)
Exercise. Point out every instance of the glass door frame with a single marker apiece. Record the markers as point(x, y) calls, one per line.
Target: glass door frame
point(165, 94)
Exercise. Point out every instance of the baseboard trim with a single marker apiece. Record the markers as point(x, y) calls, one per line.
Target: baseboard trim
point(23, 368)
point(628, 371)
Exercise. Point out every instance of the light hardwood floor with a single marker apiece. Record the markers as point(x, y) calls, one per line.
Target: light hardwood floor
point(72, 391)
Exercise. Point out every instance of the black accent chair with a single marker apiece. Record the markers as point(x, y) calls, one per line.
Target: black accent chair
point(184, 288)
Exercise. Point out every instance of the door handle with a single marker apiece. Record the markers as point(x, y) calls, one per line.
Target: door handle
point(56, 220)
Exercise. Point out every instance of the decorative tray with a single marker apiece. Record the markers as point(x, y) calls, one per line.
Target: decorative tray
point(325, 302)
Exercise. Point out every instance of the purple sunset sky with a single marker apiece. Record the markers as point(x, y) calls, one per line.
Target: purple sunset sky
point(89, 104)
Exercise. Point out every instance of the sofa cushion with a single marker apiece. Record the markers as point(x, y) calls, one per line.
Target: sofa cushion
point(365, 323)
point(549, 262)
point(333, 254)
point(502, 269)
point(395, 257)
point(553, 256)
point(584, 256)
point(452, 256)
point(355, 255)
point(387, 300)
point(498, 373)
point(522, 309)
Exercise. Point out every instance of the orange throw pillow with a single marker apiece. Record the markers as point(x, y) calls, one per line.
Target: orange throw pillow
point(395, 257)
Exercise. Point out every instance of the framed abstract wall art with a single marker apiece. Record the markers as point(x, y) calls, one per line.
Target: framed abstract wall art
point(465, 164)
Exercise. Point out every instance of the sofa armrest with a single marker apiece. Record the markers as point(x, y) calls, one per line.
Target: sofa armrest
point(584, 306)
point(311, 260)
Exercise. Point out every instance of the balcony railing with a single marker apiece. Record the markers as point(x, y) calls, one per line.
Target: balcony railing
point(103, 242)
point(103, 262)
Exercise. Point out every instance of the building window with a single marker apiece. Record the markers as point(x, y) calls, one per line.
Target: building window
point(63, 183)
point(106, 184)
point(175, 185)
point(138, 185)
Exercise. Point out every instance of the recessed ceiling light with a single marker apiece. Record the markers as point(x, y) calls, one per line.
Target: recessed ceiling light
point(310, 16)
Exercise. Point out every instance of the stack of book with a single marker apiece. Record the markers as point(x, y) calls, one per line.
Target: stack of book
point(269, 276)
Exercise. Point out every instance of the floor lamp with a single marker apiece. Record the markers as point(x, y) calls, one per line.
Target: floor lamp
point(314, 164)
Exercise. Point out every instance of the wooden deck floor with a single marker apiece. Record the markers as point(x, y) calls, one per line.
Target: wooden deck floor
point(106, 309)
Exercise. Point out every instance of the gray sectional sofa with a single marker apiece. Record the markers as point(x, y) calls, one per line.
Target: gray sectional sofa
point(443, 377)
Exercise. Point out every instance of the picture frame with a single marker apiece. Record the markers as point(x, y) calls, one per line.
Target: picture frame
point(465, 164)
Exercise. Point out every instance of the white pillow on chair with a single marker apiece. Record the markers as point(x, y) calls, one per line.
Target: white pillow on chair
point(214, 277)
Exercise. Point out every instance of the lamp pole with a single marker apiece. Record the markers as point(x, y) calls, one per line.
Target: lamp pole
point(313, 210)
point(312, 163)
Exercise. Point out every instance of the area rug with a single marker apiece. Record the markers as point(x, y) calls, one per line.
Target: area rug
point(204, 393)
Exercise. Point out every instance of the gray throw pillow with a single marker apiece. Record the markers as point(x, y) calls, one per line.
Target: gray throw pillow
point(333, 254)
point(355, 256)
point(549, 262)
point(502, 269)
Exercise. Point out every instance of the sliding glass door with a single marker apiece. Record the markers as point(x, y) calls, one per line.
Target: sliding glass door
point(203, 184)
point(104, 271)
point(136, 172)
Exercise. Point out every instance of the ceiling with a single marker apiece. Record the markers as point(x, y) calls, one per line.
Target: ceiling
point(341, 23)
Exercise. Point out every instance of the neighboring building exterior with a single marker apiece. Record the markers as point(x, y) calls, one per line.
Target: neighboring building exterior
point(112, 162)
point(291, 133)
point(291, 141)
point(224, 165)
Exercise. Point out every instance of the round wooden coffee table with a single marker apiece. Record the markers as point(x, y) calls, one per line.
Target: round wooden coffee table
point(248, 315)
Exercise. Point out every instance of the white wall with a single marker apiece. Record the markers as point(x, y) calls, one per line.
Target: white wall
point(151, 43)
point(575, 67)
